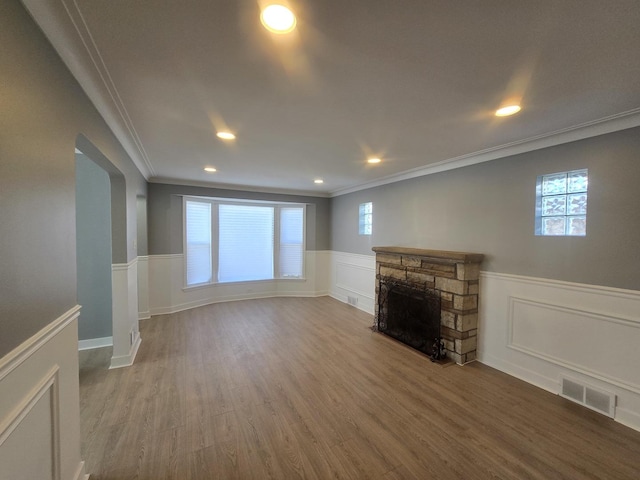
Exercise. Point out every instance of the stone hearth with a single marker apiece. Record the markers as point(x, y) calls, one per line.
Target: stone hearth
point(454, 275)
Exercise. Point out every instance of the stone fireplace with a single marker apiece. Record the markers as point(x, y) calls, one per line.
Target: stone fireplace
point(453, 276)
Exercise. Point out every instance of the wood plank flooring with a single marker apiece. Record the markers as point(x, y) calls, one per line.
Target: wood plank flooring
point(300, 388)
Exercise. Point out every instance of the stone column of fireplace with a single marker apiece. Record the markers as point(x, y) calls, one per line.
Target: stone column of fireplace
point(454, 275)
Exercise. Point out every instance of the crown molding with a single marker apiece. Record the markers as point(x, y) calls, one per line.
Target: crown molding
point(610, 124)
point(89, 69)
point(239, 188)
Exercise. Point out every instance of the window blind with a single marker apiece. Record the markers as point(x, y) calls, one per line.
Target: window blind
point(291, 242)
point(198, 240)
point(246, 241)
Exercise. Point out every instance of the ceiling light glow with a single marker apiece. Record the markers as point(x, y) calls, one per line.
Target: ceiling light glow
point(210, 169)
point(318, 181)
point(226, 135)
point(373, 160)
point(508, 110)
point(278, 19)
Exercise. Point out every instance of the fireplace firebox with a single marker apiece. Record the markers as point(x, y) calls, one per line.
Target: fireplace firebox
point(410, 315)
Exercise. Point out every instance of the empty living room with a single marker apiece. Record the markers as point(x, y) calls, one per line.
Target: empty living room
point(319, 239)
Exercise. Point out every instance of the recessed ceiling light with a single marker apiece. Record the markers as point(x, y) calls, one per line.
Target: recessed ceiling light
point(318, 181)
point(508, 110)
point(373, 160)
point(278, 19)
point(226, 135)
point(210, 169)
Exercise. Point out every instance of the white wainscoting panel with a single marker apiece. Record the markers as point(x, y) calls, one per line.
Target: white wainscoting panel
point(36, 412)
point(167, 293)
point(540, 329)
point(354, 275)
point(143, 288)
point(40, 405)
point(126, 333)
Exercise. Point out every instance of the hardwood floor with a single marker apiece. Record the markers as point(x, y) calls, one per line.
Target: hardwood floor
point(289, 388)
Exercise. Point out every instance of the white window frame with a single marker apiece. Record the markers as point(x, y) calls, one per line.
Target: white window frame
point(214, 201)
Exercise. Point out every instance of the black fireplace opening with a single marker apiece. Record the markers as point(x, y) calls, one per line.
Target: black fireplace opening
point(411, 315)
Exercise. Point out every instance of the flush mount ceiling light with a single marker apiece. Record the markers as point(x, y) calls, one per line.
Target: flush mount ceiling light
point(508, 110)
point(210, 169)
point(226, 135)
point(374, 160)
point(278, 19)
point(318, 181)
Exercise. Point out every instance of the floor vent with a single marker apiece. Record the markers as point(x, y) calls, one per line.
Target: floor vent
point(591, 397)
point(352, 301)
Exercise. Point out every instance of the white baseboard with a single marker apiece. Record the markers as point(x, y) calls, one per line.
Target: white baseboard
point(628, 418)
point(144, 315)
point(92, 343)
point(524, 374)
point(127, 360)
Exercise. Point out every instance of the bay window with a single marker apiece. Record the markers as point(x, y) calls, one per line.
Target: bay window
point(236, 241)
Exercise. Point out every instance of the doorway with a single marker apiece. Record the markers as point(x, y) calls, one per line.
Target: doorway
point(93, 254)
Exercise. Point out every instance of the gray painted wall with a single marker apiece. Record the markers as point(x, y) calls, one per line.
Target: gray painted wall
point(490, 207)
point(165, 215)
point(43, 112)
point(93, 247)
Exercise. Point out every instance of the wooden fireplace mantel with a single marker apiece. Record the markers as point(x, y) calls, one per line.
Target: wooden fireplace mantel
point(439, 256)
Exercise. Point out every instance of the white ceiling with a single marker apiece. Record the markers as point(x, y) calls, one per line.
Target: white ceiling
point(413, 81)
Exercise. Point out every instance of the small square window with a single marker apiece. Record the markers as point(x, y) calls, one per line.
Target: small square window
point(561, 204)
point(365, 219)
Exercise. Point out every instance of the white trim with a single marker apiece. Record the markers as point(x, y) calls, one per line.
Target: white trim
point(17, 356)
point(573, 286)
point(92, 343)
point(355, 256)
point(49, 383)
point(613, 123)
point(525, 374)
point(238, 188)
point(140, 157)
point(144, 315)
point(127, 360)
point(627, 418)
point(124, 266)
point(166, 256)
